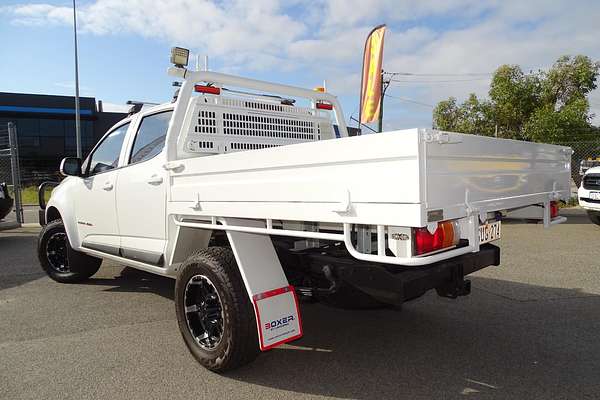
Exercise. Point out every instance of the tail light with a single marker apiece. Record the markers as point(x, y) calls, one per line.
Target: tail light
point(446, 235)
point(324, 106)
point(553, 209)
point(207, 89)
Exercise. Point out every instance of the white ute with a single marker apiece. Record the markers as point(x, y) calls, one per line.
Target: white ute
point(589, 194)
point(251, 202)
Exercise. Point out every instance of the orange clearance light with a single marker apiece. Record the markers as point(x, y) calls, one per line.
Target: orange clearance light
point(207, 89)
point(324, 106)
point(319, 89)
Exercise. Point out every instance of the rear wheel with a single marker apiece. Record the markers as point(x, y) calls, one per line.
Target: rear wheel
point(214, 312)
point(59, 260)
point(594, 217)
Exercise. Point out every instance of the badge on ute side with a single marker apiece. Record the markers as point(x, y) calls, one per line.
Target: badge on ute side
point(278, 317)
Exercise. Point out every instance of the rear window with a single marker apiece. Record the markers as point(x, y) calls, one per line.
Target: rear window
point(150, 138)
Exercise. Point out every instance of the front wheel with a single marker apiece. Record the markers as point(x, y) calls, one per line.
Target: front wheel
point(214, 313)
point(59, 260)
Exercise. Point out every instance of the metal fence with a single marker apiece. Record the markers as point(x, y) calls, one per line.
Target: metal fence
point(10, 171)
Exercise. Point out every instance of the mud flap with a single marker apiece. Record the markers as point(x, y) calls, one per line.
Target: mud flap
point(275, 303)
point(277, 316)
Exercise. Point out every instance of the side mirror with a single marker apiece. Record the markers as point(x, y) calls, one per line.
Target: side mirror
point(70, 166)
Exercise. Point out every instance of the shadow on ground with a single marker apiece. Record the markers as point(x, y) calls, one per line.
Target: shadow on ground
point(130, 280)
point(18, 259)
point(486, 345)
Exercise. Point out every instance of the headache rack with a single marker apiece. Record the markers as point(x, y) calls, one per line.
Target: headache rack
point(217, 124)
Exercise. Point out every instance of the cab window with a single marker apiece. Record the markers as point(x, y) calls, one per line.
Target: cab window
point(106, 156)
point(150, 138)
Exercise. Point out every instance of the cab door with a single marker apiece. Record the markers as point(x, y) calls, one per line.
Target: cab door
point(141, 191)
point(95, 200)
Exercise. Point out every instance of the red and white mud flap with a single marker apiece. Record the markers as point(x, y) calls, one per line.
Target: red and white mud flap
point(277, 317)
point(275, 303)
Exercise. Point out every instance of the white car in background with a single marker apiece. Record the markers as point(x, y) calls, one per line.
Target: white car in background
point(589, 194)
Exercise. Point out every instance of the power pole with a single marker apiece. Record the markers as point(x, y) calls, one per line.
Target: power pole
point(77, 116)
point(384, 85)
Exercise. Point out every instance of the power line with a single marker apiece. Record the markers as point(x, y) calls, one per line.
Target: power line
point(439, 74)
point(409, 100)
point(365, 125)
point(439, 80)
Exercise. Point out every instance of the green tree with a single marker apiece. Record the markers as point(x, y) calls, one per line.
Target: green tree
point(472, 116)
point(545, 106)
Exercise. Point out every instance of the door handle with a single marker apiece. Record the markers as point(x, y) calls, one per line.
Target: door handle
point(155, 180)
point(107, 186)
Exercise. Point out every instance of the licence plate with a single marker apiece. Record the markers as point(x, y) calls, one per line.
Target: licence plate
point(489, 232)
point(595, 195)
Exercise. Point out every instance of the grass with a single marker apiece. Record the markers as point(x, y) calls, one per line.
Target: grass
point(572, 202)
point(29, 194)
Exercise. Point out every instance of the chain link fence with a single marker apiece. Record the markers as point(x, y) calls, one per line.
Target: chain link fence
point(583, 150)
point(10, 200)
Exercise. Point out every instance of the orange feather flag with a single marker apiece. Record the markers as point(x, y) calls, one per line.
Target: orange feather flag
point(370, 94)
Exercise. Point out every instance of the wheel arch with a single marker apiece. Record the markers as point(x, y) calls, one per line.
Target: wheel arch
point(61, 206)
point(52, 214)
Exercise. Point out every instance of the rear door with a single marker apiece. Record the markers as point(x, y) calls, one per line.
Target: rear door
point(141, 191)
point(95, 200)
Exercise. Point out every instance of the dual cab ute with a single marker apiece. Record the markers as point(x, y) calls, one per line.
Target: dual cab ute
point(250, 202)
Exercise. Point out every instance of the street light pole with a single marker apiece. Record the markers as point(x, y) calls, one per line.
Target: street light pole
point(77, 116)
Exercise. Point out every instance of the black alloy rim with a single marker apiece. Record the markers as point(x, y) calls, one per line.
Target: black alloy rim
point(56, 252)
point(203, 312)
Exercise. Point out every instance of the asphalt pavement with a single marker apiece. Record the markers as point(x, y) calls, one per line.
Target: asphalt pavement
point(529, 330)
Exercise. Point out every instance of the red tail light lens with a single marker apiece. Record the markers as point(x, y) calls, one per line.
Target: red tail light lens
point(446, 235)
point(423, 241)
point(553, 209)
point(207, 89)
point(324, 106)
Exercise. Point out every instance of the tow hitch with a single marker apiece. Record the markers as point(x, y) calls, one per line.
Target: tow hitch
point(456, 286)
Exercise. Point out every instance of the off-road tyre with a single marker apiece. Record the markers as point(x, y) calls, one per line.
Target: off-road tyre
point(216, 270)
point(59, 260)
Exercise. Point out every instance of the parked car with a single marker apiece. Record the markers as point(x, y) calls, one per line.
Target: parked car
point(6, 202)
point(589, 194)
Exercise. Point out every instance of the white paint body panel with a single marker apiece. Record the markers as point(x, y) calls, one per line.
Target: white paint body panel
point(392, 178)
point(95, 209)
point(141, 201)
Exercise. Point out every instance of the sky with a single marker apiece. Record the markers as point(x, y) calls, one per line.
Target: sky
point(443, 48)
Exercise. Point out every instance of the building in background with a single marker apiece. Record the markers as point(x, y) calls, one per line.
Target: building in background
point(46, 130)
